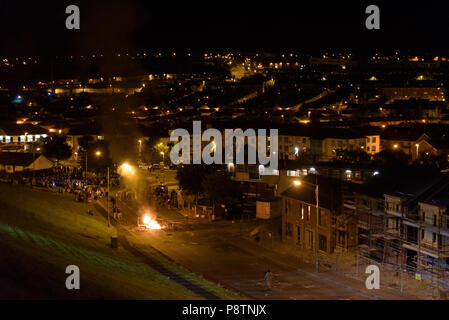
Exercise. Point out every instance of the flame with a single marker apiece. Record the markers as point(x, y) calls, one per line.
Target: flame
point(151, 223)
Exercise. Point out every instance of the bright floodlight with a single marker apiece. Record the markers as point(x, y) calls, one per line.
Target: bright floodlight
point(127, 170)
point(297, 182)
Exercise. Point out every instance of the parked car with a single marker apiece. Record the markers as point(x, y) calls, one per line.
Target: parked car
point(154, 167)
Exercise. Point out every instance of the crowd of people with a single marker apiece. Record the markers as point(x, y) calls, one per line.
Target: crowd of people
point(64, 179)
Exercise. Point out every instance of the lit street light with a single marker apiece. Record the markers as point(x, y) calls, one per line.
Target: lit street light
point(98, 154)
point(140, 147)
point(163, 156)
point(126, 170)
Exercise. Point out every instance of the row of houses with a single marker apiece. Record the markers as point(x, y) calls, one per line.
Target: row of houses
point(400, 220)
point(325, 143)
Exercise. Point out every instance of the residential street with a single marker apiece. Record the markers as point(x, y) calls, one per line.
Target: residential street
point(219, 253)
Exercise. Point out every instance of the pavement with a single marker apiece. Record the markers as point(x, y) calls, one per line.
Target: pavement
point(220, 253)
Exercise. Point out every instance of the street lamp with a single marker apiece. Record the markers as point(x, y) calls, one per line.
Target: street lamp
point(163, 156)
point(298, 183)
point(140, 146)
point(98, 154)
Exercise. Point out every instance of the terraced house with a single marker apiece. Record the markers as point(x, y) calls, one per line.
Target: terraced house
point(307, 225)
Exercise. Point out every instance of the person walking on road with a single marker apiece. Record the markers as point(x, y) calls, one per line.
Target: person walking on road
point(268, 277)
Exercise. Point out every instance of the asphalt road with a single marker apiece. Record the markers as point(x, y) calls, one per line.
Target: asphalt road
point(216, 251)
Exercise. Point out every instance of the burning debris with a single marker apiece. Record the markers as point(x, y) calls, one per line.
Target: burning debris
point(150, 223)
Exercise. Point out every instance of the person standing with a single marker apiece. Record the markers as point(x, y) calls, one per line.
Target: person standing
point(268, 279)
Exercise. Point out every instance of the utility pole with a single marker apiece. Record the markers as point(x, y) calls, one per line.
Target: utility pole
point(107, 200)
point(316, 222)
point(316, 226)
point(85, 171)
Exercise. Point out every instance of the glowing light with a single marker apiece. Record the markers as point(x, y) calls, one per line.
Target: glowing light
point(98, 153)
point(150, 223)
point(126, 170)
point(395, 146)
point(297, 182)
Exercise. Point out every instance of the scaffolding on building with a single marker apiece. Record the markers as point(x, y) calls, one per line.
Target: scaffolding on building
point(393, 240)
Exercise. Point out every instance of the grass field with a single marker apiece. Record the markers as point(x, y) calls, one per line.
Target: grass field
point(41, 233)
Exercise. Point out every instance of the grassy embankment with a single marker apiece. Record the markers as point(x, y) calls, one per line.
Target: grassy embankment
point(41, 233)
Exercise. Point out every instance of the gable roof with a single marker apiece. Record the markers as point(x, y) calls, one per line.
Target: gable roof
point(17, 158)
point(20, 129)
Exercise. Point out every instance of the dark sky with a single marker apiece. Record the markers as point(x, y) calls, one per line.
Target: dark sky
point(110, 26)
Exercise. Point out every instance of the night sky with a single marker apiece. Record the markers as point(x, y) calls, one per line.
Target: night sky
point(108, 26)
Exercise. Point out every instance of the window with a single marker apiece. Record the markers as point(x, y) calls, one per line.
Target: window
point(321, 217)
point(302, 211)
point(286, 206)
point(310, 239)
point(367, 148)
point(322, 243)
point(308, 213)
point(341, 239)
point(422, 234)
point(434, 237)
point(293, 173)
point(373, 140)
point(373, 149)
point(298, 236)
point(434, 219)
point(288, 229)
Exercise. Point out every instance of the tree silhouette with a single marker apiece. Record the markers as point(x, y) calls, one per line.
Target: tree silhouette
point(56, 147)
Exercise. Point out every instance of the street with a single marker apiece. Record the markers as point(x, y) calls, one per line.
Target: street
point(220, 253)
